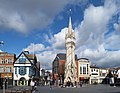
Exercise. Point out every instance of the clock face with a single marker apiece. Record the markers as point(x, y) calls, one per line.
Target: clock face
point(70, 40)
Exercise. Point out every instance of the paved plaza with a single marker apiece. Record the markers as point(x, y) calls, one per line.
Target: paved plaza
point(84, 89)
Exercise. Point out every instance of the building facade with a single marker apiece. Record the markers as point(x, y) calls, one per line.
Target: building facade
point(25, 69)
point(83, 70)
point(45, 76)
point(6, 67)
point(58, 67)
point(103, 72)
point(94, 75)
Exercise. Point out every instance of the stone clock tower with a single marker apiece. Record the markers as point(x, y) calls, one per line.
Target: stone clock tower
point(70, 64)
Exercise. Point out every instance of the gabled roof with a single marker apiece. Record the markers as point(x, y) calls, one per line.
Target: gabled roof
point(28, 56)
point(31, 56)
point(62, 56)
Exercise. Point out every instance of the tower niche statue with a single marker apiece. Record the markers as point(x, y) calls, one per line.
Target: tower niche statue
point(70, 64)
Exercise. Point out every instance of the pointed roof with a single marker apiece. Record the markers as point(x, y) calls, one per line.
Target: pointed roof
point(70, 24)
point(62, 56)
point(28, 56)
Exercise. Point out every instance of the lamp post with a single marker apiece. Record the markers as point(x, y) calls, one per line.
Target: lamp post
point(2, 43)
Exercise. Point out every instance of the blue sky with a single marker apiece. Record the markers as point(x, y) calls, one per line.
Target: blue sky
point(43, 24)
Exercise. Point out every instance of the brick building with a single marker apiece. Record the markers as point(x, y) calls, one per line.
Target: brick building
point(6, 67)
point(58, 67)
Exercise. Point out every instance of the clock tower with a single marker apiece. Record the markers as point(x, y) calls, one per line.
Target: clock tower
point(70, 64)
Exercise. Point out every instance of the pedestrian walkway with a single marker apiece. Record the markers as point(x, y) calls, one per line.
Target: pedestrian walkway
point(85, 89)
point(17, 89)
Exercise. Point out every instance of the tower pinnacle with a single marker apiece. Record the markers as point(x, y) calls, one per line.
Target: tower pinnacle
point(70, 23)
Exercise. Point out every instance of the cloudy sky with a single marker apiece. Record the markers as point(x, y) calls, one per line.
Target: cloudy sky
point(40, 26)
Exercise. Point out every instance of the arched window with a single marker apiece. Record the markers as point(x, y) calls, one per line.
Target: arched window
point(22, 70)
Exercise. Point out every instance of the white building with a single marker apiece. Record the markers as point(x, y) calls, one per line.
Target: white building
point(24, 69)
point(94, 75)
point(83, 70)
point(103, 73)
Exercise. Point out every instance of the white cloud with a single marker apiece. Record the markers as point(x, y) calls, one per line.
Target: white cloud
point(102, 57)
point(90, 35)
point(94, 24)
point(117, 26)
point(46, 58)
point(26, 15)
point(46, 55)
point(113, 42)
point(35, 47)
point(58, 40)
point(90, 38)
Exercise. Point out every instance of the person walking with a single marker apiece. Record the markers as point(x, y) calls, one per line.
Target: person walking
point(51, 83)
point(32, 85)
point(35, 85)
point(80, 83)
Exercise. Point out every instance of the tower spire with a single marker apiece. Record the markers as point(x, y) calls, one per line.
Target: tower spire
point(70, 64)
point(70, 23)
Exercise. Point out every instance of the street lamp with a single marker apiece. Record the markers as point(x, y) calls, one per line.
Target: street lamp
point(2, 43)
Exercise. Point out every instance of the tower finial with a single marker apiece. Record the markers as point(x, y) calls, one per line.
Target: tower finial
point(70, 12)
point(70, 23)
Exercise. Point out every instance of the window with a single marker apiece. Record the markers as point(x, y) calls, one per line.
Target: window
point(87, 69)
point(9, 60)
point(84, 69)
point(96, 70)
point(22, 70)
point(8, 69)
point(22, 59)
point(15, 70)
point(91, 70)
point(31, 71)
point(3, 61)
point(80, 69)
point(1, 69)
point(103, 74)
point(6, 61)
point(94, 74)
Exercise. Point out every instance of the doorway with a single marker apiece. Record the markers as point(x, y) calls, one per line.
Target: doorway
point(22, 81)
